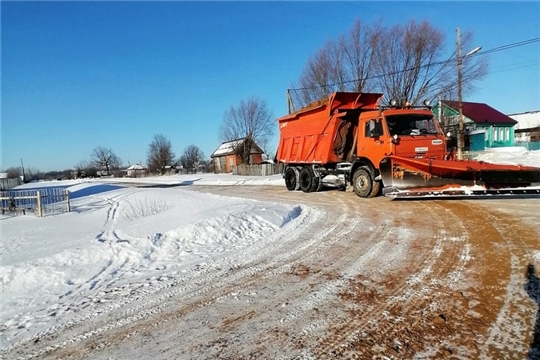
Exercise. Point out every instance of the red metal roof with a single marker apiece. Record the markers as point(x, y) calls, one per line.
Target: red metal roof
point(481, 113)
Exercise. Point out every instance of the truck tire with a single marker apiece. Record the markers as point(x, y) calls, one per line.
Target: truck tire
point(363, 184)
point(376, 189)
point(308, 181)
point(291, 179)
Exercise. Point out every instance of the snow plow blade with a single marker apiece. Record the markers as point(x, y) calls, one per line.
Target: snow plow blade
point(428, 178)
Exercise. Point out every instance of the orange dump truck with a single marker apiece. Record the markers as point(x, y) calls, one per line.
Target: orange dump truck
point(399, 151)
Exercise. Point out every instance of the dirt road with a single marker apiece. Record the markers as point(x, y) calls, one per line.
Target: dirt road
point(367, 279)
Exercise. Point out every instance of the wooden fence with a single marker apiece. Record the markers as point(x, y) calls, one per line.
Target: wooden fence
point(6, 184)
point(257, 170)
point(39, 202)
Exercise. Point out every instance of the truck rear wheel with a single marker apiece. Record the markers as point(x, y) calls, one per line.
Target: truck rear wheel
point(307, 179)
point(291, 179)
point(363, 184)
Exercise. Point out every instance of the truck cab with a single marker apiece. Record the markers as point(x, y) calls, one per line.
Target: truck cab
point(410, 133)
point(406, 132)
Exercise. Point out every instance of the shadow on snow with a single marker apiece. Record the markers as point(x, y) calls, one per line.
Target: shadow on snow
point(532, 286)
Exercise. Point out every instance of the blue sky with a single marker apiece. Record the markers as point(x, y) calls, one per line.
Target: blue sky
point(78, 75)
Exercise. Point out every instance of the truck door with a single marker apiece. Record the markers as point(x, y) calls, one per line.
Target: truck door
point(372, 142)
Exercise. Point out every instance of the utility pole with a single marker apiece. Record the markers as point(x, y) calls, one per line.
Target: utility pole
point(289, 102)
point(23, 174)
point(460, 139)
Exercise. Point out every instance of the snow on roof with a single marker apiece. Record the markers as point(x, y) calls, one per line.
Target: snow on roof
point(136, 167)
point(527, 120)
point(228, 147)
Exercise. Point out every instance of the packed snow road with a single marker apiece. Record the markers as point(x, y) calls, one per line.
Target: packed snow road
point(358, 278)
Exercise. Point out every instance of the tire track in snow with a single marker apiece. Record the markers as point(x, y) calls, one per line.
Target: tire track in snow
point(506, 335)
point(447, 258)
point(140, 312)
point(178, 293)
point(408, 294)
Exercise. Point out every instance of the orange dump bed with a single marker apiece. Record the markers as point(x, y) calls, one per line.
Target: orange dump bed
point(307, 136)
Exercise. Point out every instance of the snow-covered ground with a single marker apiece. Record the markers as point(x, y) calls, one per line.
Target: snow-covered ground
point(123, 237)
point(132, 238)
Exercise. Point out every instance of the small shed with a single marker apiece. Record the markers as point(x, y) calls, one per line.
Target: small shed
point(498, 127)
point(477, 140)
point(243, 151)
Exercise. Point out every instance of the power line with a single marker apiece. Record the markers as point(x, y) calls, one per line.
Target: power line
point(509, 46)
point(499, 48)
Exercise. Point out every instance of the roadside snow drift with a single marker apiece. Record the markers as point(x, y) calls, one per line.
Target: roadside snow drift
point(121, 241)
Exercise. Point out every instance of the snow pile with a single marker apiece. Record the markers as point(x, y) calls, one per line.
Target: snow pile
point(120, 241)
point(515, 155)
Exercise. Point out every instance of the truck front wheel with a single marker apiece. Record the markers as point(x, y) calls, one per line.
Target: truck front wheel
point(363, 184)
point(291, 179)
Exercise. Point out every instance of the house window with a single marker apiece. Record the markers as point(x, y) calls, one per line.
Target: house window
point(507, 131)
point(495, 131)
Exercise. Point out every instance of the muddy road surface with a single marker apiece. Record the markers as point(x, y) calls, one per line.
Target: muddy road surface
point(363, 279)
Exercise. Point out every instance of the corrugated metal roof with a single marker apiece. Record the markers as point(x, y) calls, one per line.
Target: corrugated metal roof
point(481, 113)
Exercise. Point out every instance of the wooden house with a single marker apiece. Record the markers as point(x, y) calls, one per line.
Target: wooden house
point(498, 127)
point(242, 151)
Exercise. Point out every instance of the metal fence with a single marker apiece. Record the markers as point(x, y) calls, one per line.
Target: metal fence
point(529, 145)
point(257, 170)
point(39, 202)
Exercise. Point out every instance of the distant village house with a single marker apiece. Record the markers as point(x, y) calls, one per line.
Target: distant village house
point(478, 118)
point(136, 170)
point(528, 126)
point(242, 151)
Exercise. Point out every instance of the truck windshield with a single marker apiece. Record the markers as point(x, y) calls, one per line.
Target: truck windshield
point(411, 124)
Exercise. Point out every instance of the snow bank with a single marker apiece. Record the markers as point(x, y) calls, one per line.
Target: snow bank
point(122, 238)
point(515, 155)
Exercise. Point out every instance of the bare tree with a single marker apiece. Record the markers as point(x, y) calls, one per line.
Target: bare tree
point(191, 158)
point(85, 169)
point(105, 158)
point(316, 80)
point(412, 67)
point(33, 174)
point(405, 62)
point(13, 172)
point(250, 119)
point(345, 64)
point(268, 147)
point(160, 154)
